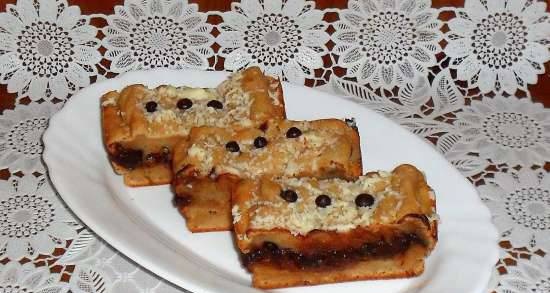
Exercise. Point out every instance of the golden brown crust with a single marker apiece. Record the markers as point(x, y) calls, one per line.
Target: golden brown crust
point(249, 98)
point(402, 217)
point(158, 174)
point(327, 148)
point(203, 204)
point(266, 94)
point(114, 127)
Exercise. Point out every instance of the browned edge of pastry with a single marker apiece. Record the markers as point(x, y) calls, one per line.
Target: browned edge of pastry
point(206, 207)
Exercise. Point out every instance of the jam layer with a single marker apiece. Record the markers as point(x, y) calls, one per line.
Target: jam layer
point(284, 258)
point(133, 158)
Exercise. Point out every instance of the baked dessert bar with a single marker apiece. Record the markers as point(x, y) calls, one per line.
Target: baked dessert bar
point(141, 125)
point(214, 159)
point(309, 231)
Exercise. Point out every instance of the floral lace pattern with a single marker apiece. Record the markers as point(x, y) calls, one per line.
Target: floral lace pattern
point(456, 76)
point(107, 270)
point(286, 40)
point(20, 136)
point(17, 278)
point(499, 45)
point(527, 276)
point(521, 207)
point(149, 34)
point(48, 51)
point(385, 43)
point(33, 219)
point(504, 130)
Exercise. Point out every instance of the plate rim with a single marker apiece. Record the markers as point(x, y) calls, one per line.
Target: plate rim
point(190, 284)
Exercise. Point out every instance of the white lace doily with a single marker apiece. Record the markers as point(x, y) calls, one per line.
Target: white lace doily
point(149, 34)
point(117, 274)
point(21, 136)
point(286, 40)
point(499, 45)
point(520, 204)
point(456, 76)
point(15, 278)
point(48, 50)
point(387, 43)
point(503, 130)
point(33, 221)
point(527, 276)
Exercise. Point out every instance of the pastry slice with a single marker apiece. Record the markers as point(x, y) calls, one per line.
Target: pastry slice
point(214, 159)
point(294, 232)
point(142, 125)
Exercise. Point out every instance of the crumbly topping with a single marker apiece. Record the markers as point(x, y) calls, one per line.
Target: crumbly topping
point(111, 101)
point(164, 115)
point(304, 215)
point(236, 109)
point(201, 154)
point(168, 119)
point(273, 94)
point(236, 214)
point(238, 103)
point(242, 237)
point(282, 155)
point(434, 217)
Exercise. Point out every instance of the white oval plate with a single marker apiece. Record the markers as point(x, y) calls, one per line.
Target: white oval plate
point(141, 222)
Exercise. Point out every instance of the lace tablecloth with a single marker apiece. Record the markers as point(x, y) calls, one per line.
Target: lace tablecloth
point(461, 77)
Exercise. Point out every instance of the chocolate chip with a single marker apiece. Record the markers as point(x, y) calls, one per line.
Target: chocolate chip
point(271, 246)
point(323, 201)
point(151, 106)
point(293, 132)
point(364, 200)
point(289, 195)
point(215, 104)
point(184, 104)
point(260, 142)
point(232, 146)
